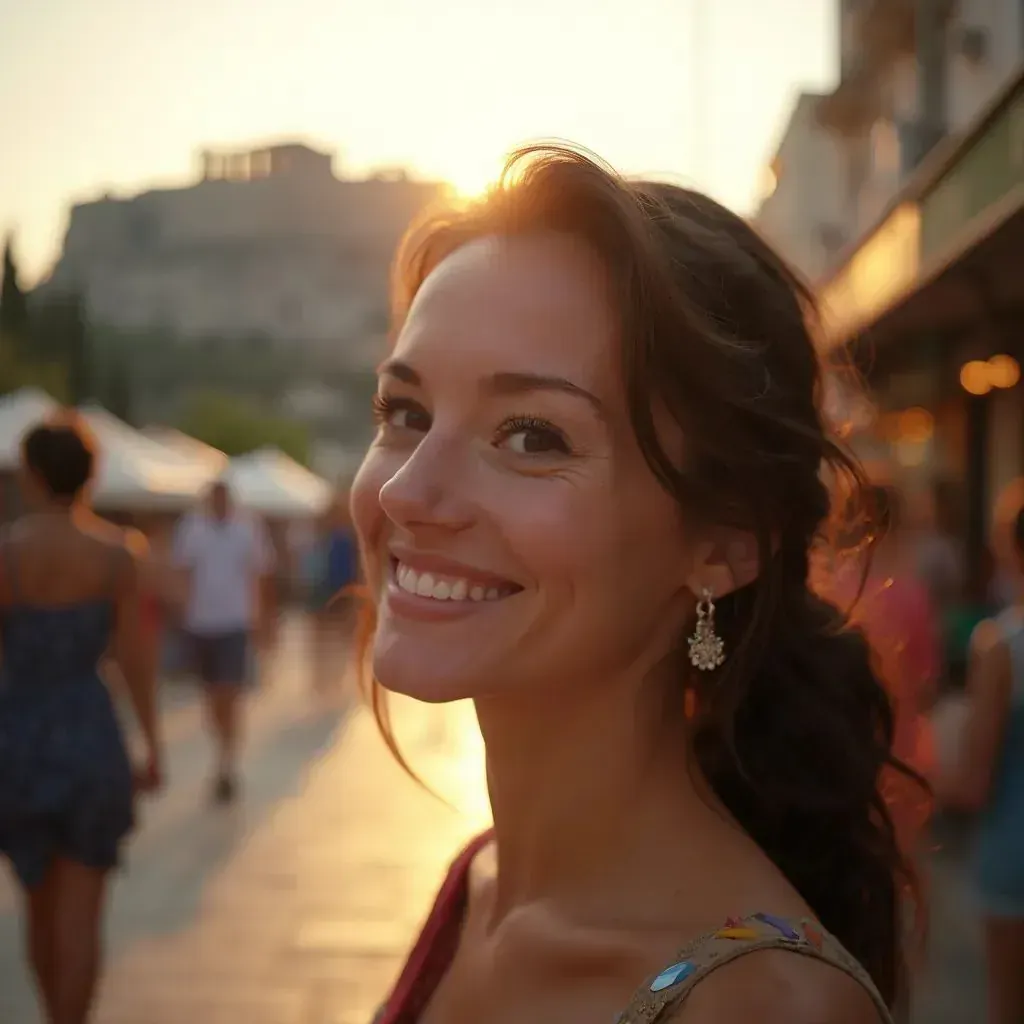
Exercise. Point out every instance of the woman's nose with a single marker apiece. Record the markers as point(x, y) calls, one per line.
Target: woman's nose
point(430, 488)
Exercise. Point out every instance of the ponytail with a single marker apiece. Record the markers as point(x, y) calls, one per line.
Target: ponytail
point(796, 740)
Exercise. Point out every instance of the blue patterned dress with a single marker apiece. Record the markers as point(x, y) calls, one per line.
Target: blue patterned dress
point(65, 777)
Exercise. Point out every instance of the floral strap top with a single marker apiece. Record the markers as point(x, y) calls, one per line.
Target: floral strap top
point(660, 995)
point(664, 992)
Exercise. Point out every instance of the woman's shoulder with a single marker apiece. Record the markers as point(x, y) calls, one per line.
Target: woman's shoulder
point(778, 970)
point(776, 987)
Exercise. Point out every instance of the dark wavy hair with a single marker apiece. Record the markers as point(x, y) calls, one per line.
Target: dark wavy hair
point(61, 454)
point(794, 733)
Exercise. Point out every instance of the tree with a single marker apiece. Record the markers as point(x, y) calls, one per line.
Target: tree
point(237, 427)
point(61, 335)
point(17, 373)
point(76, 347)
point(118, 391)
point(14, 322)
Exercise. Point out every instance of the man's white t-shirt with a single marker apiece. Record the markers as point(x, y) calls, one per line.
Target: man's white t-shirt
point(226, 559)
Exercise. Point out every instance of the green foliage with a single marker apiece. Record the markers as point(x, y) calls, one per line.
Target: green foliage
point(60, 336)
point(116, 393)
point(237, 426)
point(17, 372)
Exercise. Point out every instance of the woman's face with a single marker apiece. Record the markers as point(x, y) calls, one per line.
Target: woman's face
point(513, 534)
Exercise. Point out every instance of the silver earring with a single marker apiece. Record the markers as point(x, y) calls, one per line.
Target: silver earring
point(707, 651)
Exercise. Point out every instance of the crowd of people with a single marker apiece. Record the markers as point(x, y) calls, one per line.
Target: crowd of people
point(86, 610)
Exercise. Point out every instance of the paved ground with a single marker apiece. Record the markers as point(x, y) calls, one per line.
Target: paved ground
point(297, 907)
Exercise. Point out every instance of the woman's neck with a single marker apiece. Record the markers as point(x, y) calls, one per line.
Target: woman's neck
point(58, 511)
point(589, 790)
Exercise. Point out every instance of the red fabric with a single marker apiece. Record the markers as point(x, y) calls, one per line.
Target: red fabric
point(435, 947)
point(899, 621)
point(151, 613)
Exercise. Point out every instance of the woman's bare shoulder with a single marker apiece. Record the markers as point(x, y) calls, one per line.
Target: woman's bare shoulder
point(127, 538)
point(779, 987)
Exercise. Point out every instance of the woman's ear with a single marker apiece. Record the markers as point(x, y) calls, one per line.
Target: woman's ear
point(724, 563)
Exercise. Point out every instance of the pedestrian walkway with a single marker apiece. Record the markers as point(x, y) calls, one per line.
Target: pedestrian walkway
point(296, 907)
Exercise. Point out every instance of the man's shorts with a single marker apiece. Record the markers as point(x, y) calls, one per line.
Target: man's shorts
point(221, 659)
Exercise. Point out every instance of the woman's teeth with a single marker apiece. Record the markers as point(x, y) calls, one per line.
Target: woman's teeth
point(444, 588)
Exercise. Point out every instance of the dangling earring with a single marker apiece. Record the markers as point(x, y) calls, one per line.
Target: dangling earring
point(707, 651)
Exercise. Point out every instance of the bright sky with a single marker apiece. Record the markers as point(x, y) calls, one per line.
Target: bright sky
point(121, 94)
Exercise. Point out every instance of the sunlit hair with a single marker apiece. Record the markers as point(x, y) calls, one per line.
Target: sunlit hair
point(795, 732)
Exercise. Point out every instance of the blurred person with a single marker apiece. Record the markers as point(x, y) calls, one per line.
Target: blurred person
point(162, 588)
point(1006, 578)
point(939, 558)
point(894, 608)
point(590, 504)
point(986, 776)
point(333, 567)
point(229, 564)
point(977, 602)
point(69, 591)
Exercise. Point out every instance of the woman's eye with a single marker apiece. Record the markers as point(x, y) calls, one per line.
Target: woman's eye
point(534, 439)
point(400, 414)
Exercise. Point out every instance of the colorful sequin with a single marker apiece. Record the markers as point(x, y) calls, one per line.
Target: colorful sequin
point(748, 934)
point(813, 936)
point(783, 927)
point(672, 976)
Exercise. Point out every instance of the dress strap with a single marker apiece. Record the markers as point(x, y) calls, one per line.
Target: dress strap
point(668, 990)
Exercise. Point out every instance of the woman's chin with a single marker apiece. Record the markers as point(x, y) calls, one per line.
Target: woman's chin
point(431, 680)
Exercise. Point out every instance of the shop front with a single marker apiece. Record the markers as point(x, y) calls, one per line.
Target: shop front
point(931, 309)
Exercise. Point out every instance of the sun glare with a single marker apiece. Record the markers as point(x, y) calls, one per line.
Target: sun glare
point(471, 178)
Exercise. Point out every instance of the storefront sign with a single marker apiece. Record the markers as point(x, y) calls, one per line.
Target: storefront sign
point(984, 174)
point(883, 270)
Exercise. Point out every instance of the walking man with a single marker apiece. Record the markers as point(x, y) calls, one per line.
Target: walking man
point(229, 562)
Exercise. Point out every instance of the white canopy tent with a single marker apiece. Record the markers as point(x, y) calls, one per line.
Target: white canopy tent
point(135, 472)
point(188, 446)
point(19, 412)
point(271, 483)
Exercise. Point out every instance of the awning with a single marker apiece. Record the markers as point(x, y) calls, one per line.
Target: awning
point(269, 482)
point(946, 253)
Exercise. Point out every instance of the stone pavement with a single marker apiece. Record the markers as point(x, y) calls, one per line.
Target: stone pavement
point(298, 906)
point(952, 988)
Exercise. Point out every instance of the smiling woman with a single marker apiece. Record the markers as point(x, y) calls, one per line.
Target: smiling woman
point(590, 508)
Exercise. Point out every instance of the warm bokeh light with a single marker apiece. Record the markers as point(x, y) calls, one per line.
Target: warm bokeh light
point(916, 426)
point(1003, 371)
point(472, 176)
point(975, 378)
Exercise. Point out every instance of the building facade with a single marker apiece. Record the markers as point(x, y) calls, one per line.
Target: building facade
point(802, 214)
point(914, 74)
point(268, 243)
point(925, 190)
point(930, 112)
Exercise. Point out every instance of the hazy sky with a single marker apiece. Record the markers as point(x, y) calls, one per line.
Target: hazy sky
point(117, 95)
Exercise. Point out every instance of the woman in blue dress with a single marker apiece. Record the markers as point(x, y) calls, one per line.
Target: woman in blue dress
point(987, 778)
point(68, 597)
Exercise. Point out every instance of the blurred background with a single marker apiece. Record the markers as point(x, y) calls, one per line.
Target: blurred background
point(201, 202)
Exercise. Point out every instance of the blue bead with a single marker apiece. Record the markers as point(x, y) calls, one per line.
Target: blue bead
point(672, 976)
point(782, 927)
